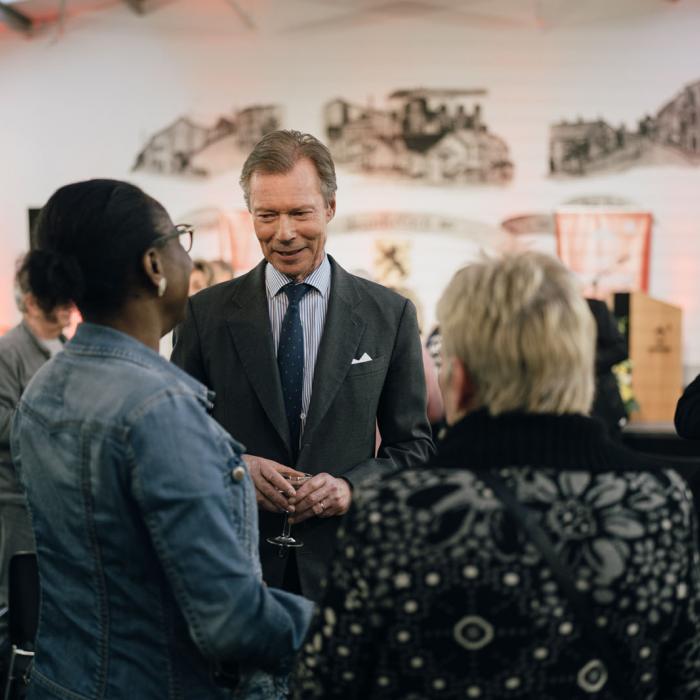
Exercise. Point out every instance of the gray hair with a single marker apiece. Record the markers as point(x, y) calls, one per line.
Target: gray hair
point(280, 151)
point(524, 332)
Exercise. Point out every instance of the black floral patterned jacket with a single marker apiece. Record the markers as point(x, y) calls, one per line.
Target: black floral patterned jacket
point(436, 593)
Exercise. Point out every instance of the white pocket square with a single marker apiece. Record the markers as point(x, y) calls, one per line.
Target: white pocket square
point(365, 358)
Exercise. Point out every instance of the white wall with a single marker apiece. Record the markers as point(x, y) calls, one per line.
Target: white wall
point(83, 105)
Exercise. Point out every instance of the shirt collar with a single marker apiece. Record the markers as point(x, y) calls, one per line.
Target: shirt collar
point(319, 279)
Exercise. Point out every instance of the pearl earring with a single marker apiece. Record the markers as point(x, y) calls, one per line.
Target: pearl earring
point(162, 286)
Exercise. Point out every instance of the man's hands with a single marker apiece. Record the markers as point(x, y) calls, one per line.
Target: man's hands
point(268, 478)
point(323, 495)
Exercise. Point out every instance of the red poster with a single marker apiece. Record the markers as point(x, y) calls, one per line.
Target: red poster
point(608, 250)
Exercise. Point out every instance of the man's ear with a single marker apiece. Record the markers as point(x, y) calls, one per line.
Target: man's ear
point(330, 210)
point(30, 304)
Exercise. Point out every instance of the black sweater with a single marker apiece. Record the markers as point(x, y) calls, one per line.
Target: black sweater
point(436, 593)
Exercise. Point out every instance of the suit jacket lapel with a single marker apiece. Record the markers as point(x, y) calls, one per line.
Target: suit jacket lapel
point(250, 330)
point(341, 337)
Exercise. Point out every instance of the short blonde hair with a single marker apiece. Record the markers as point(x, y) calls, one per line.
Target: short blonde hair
point(523, 331)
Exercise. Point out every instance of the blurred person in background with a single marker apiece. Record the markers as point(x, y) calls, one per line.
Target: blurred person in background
point(143, 511)
point(223, 271)
point(201, 277)
point(533, 557)
point(687, 416)
point(434, 408)
point(45, 305)
point(610, 349)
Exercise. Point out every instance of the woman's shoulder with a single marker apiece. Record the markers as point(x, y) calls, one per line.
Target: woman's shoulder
point(641, 490)
point(425, 501)
point(417, 486)
point(415, 504)
point(425, 486)
point(118, 390)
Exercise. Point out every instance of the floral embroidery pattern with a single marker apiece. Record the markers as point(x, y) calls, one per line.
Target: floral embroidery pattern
point(436, 593)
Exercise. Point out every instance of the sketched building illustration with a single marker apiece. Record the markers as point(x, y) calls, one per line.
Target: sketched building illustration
point(678, 123)
point(672, 136)
point(427, 135)
point(187, 148)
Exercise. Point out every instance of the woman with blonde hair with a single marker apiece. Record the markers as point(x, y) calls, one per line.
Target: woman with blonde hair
point(533, 558)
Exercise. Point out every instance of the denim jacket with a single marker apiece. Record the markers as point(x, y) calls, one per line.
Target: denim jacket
point(146, 529)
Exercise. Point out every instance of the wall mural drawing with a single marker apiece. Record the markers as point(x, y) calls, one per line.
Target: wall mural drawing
point(187, 148)
point(436, 136)
point(672, 136)
point(416, 253)
point(392, 261)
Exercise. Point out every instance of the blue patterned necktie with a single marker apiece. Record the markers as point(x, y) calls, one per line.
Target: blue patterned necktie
point(290, 360)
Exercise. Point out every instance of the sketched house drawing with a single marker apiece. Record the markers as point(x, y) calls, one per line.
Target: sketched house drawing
point(678, 123)
point(672, 136)
point(187, 148)
point(427, 135)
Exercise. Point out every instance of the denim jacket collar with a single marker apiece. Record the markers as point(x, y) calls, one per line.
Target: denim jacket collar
point(103, 341)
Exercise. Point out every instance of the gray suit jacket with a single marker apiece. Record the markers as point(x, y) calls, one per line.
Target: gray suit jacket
point(226, 342)
point(21, 356)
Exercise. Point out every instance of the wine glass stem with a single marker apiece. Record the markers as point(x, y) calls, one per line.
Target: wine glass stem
point(286, 527)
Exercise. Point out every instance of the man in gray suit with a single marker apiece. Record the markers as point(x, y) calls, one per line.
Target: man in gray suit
point(306, 361)
point(23, 350)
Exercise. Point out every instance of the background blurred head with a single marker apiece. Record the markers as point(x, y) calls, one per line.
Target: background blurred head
point(107, 244)
point(516, 336)
point(201, 277)
point(223, 271)
point(48, 311)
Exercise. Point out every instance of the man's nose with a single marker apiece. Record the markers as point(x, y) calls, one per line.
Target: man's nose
point(285, 229)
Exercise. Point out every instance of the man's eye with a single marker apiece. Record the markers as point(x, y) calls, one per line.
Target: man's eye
point(301, 214)
point(266, 217)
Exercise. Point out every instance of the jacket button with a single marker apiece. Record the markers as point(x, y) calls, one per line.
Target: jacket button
point(238, 473)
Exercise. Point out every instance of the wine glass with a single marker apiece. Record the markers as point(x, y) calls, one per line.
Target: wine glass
point(286, 540)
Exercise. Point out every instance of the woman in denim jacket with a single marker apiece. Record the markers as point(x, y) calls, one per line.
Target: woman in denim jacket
point(143, 510)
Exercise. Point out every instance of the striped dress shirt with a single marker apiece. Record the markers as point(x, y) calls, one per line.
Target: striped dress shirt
point(312, 310)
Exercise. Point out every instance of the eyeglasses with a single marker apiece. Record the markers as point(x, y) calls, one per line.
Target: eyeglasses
point(183, 232)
